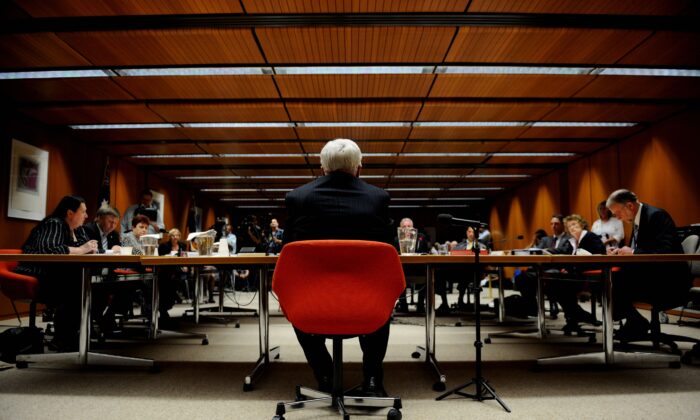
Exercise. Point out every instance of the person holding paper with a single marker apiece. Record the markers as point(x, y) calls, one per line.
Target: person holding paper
point(663, 285)
point(147, 208)
point(103, 230)
point(60, 284)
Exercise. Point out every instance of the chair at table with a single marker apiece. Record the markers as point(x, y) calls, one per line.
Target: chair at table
point(18, 287)
point(690, 246)
point(338, 289)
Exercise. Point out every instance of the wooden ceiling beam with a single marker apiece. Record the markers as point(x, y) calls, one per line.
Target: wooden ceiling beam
point(124, 23)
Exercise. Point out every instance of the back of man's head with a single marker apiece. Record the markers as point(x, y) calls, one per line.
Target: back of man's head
point(341, 155)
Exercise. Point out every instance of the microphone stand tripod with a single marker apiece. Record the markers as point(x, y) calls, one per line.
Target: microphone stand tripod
point(483, 390)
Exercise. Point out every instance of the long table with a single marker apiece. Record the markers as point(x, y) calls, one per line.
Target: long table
point(608, 356)
point(83, 357)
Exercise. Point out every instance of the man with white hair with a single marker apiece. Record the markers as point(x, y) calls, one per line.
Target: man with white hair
point(663, 285)
point(339, 205)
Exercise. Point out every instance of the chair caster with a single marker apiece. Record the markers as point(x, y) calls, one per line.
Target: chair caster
point(458, 324)
point(415, 355)
point(238, 325)
point(278, 418)
point(247, 387)
point(439, 386)
point(394, 414)
point(22, 365)
point(487, 340)
point(205, 341)
point(674, 365)
point(277, 356)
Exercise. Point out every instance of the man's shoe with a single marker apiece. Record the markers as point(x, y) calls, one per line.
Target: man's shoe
point(374, 388)
point(443, 309)
point(401, 308)
point(635, 328)
point(586, 317)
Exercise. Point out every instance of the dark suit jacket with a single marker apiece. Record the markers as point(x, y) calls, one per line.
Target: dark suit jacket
point(657, 235)
point(338, 206)
point(564, 247)
point(93, 232)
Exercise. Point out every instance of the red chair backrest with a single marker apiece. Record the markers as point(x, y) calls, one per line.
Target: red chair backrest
point(13, 285)
point(338, 287)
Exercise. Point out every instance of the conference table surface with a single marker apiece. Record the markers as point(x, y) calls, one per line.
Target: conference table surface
point(261, 260)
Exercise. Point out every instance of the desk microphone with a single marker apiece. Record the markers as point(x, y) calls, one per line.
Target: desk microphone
point(447, 218)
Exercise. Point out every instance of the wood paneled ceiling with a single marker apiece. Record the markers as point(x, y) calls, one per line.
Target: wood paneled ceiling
point(447, 98)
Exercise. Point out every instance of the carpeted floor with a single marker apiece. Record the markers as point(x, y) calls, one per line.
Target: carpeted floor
point(205, 382)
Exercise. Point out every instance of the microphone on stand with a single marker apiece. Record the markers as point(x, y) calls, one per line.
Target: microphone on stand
point(454, 221)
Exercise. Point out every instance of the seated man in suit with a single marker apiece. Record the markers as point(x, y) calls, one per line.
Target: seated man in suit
point(339, 205)
point(103, 230)
point(664, 285)
point(422, 247)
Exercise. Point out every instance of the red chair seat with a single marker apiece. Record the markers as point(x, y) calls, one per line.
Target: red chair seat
point(13, 285)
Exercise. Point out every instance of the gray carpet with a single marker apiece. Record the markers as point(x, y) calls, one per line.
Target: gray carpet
point(198, 382)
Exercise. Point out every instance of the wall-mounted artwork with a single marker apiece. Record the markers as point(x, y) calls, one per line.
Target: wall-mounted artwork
point(29, 169)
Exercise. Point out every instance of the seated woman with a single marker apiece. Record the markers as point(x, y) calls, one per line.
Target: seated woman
point(60, 285)
point(466, 276)
point(139, 227)
point(608, 227)
point(172, 277)
point(581, 242)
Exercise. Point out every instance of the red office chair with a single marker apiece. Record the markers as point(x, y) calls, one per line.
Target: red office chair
point(338, 289)
point(18, 286)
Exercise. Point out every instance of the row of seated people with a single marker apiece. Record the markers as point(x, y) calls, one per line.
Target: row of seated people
point(64, 231)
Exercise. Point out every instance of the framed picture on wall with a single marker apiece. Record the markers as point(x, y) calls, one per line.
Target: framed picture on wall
point(29, 169)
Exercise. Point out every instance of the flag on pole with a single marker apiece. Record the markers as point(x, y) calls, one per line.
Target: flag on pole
point(103, 196)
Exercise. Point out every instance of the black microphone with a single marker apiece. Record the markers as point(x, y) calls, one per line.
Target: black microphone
point(447, 218)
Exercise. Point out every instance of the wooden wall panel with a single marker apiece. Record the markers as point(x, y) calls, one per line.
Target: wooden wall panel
point(41, 49)
point(507, 86)
point(353, 111)
point(520, 146)
point(606, 7)
point(166, 46)
point(64, 8)
point(353, 6)
point(223, 112)
point(579, 188)
point(354, 86)
point(351, 44)
point(542, 45)
point(485, 111)
point(200, 87)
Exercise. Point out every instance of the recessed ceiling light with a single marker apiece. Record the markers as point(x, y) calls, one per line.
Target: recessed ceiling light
point(239, 125)
point(414, 189)
point(497, 176)
point(534, 154)
point(194, 71)
point(475, 189)
point(455, 154)
point(120, 126)
point(512, 70)
point(470, 124)
point(259, 207)
point(356, 70)
point(615, 71)
point(353, 124)
point(186, 156)
point(581, 124)
point(230, 190)
point(427, 176)
point(52, 74)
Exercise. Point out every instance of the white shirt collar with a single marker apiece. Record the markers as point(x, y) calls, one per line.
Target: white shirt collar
point(638, 216)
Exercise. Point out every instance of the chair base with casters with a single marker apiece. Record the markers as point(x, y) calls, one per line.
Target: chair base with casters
point(657, 338)
point(339, 399)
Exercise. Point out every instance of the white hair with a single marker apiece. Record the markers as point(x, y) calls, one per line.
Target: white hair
point(341, 155)
point(622, 196)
